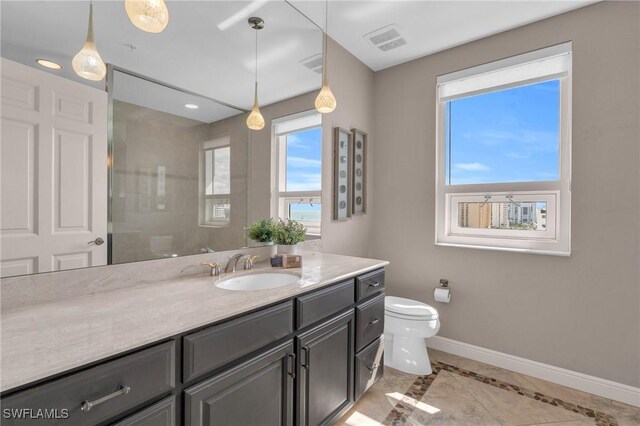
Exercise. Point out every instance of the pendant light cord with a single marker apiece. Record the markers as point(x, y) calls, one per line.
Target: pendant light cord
point(324, 47)
point(256, 30)
point(90, 27)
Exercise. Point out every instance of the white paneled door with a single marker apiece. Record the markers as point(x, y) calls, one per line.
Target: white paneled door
point(53, 172)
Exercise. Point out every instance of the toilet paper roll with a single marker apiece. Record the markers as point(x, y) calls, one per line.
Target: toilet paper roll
point(442, 295)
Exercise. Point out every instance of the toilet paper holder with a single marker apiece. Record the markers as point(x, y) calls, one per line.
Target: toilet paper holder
point(443, 292)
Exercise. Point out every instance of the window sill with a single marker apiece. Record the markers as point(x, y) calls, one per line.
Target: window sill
point(508, 249)
point(214, 225)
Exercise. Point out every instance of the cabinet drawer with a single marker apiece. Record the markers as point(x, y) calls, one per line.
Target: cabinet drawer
point(323, 303)
point(162, 413)
point(369, 284)
point(369, 321)
point(369, 366)
point(147, 374)
point(215, 346)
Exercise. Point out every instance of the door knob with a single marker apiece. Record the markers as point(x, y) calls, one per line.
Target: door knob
point(98, 241)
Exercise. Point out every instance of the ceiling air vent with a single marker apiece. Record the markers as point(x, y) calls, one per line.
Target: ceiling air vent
point(314, 63)
point(386, 38)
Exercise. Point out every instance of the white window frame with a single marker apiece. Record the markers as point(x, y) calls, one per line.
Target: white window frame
point(212, 145)
point(280, 198)
point(549, 198)
point(313, 227)
point(541, 65)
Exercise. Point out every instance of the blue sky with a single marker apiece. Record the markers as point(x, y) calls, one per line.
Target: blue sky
point(505, 136)
point(304, 160)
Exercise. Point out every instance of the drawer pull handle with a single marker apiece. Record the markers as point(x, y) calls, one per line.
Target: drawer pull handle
point(373, 367)
point(306, 358)
point(374, 321)
point(87, 405)
point(291, 365)
point(375, 284)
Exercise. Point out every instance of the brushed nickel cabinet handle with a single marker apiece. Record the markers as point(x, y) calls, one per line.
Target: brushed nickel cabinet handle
point(98, 241)
point(88, 405)
point(374, 321)
point(373, 367)
point(375, 284)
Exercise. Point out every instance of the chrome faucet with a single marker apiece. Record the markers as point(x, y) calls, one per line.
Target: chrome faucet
point(248, 261)
point(214, 270)
point(233, 262)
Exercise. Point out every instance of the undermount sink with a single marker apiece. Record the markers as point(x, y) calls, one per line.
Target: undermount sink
point(262, 281)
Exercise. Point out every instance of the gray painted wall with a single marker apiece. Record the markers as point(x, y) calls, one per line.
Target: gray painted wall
point(581, 313)
point(352, 84)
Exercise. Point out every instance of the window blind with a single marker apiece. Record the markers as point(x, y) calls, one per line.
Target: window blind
point(541, 65)
point(295, 124)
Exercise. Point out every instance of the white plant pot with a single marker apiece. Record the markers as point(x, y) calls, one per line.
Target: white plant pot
point(287, 249)
point(261, 244)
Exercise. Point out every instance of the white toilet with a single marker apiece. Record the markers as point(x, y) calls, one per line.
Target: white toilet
point(406, 324)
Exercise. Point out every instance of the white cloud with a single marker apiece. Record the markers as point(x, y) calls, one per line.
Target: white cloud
point(295, 141)
point(304, 181)
point(472, 167)
point(303, 162)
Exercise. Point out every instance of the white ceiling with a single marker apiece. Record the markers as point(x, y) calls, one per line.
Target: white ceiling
point(133, 90)
point(191, 53)
point(427, 26)
point(208, 47)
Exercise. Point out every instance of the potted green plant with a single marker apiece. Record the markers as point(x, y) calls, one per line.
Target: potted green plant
point(287, 234)
point(261, 231)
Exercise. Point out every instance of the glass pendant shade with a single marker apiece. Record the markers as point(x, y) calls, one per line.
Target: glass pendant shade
point(255, 120)
point(325, 101)
point(87, 63)
point(151, 16)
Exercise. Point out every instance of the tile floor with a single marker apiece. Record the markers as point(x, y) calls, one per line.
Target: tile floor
point(465, 392)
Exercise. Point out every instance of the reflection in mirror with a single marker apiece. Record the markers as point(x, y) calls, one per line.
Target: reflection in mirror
point(177, 177)
point(178, 172)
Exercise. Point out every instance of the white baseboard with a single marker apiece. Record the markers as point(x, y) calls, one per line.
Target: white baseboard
point(594, 385)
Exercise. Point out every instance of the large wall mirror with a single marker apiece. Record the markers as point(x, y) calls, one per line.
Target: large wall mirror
point(152, 161)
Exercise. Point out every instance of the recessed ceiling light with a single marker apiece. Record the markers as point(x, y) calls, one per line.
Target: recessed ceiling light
point(191, 106)
point(49, 64)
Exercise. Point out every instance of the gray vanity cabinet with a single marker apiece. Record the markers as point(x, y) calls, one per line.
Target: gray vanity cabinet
point(302, 361)
point(325, 370)
point(257, 392)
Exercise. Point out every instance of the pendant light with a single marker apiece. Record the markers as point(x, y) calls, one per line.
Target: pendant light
point(255, 121)
point(151, 16)
point(87, 63)
point(325, 102)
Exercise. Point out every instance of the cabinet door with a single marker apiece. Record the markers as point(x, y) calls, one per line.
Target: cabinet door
point(325, 370)
point(256, 392)
point(162, 413)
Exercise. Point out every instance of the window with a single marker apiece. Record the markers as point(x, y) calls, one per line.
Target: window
point(215, 183)
point(297, 171)
point(503, 154)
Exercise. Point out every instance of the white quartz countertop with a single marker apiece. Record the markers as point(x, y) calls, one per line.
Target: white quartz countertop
point(42, 340)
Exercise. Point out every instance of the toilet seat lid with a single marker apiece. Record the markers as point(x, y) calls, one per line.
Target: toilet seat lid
point(409, 308)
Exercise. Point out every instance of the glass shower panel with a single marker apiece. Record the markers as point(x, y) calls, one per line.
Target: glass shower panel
point(178, 174)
